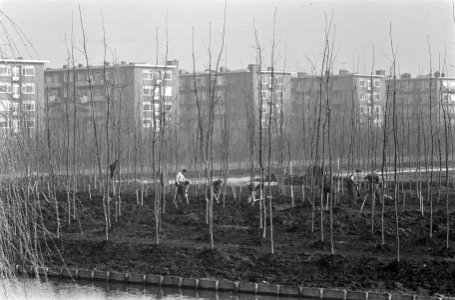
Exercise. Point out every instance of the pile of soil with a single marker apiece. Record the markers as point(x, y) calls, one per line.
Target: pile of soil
point(361, 259)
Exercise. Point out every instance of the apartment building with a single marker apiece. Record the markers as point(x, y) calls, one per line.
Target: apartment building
point(355, 103)
point(237, 95)
point(417, 97)
point(140, 94)
point(109, 112)
point(21, 94)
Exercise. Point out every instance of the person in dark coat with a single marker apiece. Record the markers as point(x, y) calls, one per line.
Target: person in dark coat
point(217, 185)
point(373, 183)
point(352, 187)
point(112, 168)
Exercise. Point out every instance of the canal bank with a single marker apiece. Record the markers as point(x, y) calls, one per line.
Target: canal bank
point(290, 292)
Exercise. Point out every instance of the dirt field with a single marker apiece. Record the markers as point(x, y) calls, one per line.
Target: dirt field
point(360, 261)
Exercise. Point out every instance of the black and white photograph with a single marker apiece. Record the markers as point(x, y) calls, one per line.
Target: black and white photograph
point(227, 149)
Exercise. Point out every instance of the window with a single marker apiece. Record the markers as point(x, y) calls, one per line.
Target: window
point(147, 90)
point(265, 79)
point(279, 94)
point(97, 76)
point(16, 90)
point(376, 97)
point(28, 71)
point(265, 94)
point(377, 83)
point(16, 72)
point(146, 74)
point(362, 83)
point(81, 76)
point(156, 93)
point(5, 87)
point(5, 70)
point(29, 123)
point(279, 80)
point(82, 92)
point(28, 106)
point(168, 75)
point(146, 122)
point(147, 106)
point(363, 97)
point(5, 105)
point(168, 91)
point(4, 123)
point(200, 80)
point(151, 75)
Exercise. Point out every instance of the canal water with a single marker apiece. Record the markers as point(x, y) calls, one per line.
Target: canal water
point(67, 289)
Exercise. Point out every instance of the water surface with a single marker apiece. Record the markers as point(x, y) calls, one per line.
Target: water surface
point(64, 289)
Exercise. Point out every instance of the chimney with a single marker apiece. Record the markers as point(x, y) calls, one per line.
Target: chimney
point(106, 64)
point(172, 63)
point(80, 65)
point(343, 72)
point(301, 74)
point(405, 76)
point(65, 66)
point(270, 69)
point(123, 62)
point(20, 58)
point(252, 68)
point(380, 72)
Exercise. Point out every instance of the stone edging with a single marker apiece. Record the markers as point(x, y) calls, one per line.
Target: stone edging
point(220, 285)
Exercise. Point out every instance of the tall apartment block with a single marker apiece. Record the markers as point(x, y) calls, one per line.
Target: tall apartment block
point(418, 96)
point(424, 109)
point(21, 94)
point(236, 96)
point(355, 103)
point(127, 101)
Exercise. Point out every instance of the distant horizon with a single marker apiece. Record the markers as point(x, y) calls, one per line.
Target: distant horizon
point(359, 29)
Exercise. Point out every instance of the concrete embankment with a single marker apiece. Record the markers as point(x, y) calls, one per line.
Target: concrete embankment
point(218, 285)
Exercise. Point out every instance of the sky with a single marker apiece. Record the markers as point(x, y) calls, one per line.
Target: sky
point(142, 30)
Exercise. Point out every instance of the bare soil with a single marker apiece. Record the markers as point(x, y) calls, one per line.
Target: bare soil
point(360, 261)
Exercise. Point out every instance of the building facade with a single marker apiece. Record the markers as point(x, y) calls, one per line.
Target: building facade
point(422, 96)
point(21, 94)
point(123, 106)
point(354, 102)
point(236, 97)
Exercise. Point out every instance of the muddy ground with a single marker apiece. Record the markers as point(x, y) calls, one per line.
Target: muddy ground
point(360, 261)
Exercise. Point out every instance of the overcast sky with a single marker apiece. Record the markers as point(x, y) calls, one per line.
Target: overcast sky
point(131, 27)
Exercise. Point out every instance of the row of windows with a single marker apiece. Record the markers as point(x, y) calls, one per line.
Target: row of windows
point(95, 76)
point(7, 105)
point(367, 96)
point(367, 83)
point(364, 109)
point(203, 81)
point(156, 75)
point(268, 79)
point(266, 94)
point(156, 91)
point(147, 106)
point(8, 88)
point(15, 123)
point(6, 70)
